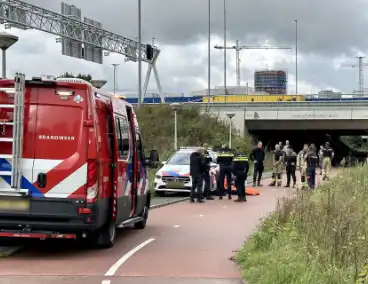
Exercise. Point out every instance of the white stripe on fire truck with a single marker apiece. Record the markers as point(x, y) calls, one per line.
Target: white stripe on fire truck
point(70, 184)
point(127, 189)
point(146, 188)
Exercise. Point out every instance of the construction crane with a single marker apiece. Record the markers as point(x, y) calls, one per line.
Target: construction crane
point(238, 48)
point(361, 65)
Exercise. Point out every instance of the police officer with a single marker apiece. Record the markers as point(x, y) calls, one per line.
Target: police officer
point(290, 163)
point(257, 156)
point(278, 157)
point(286, 146)
point(240, 169)
point(328, 154)
point(311, 160)
point(224, 159)
point(206, 175)
point(302, 166)
point(197, 169)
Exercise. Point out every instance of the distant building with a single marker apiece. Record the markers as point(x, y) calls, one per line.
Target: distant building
point(273, 82)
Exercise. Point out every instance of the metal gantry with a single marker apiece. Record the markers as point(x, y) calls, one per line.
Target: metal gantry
point(24, 15)
point(238, 48)
point(360, 65)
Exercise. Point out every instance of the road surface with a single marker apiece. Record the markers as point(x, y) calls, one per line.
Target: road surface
point(183, 243)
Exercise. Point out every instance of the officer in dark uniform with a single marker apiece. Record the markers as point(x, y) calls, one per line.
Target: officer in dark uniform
point(290, 164)
point(328, 155)
point(257, 156)
point(224, 159)
point(311, 160)
point(197, 170)
point(206, 175)
point(240, 169)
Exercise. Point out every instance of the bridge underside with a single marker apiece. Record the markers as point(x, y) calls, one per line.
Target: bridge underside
point(347, 126)
point(300, 132)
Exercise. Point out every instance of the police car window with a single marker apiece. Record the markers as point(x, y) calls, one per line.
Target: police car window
point(125, 143)
point(180, 158)
point(139, 147)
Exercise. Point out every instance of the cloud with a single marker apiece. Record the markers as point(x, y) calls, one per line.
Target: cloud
point(325, 42)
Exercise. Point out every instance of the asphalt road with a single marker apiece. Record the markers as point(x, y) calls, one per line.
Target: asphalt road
point(183, 243)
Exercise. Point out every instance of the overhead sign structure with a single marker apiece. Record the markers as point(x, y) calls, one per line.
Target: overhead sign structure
point(92, 52)
point(69, 26)
point(71, 47)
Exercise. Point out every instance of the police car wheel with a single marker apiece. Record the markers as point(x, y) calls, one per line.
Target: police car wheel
point(160, 193)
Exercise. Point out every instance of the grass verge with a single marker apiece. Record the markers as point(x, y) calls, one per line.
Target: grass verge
point(318, 237)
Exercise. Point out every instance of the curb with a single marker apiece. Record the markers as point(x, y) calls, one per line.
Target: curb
point(168, 203)
point(7, 251)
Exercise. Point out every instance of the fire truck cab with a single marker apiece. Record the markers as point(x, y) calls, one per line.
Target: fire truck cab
point(72, 162)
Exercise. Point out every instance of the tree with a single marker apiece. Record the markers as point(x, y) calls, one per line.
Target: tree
point(86, 77)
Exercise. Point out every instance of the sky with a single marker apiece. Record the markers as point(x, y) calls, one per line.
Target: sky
point(330, 33)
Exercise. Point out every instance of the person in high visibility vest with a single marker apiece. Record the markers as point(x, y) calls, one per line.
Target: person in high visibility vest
point(224, 159)
point(240, 168)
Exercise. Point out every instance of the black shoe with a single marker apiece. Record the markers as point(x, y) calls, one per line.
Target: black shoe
point(254, 184)
point(200, 201)
point(244, 200)
point(192, 200)
point(287, 185)
point(210, 198)
point(272, 184)
point(279, 184)
point(259, 184)
point(294, 185)
point(229, 197)
point(220, 197)
point(238, 200)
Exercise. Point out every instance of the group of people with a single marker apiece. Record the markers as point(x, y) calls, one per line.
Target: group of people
point(236, 166)
point(307, 161)
point(232, 166)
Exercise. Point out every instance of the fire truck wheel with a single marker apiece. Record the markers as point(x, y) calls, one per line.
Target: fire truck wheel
point(142, 224)
point(106, 236)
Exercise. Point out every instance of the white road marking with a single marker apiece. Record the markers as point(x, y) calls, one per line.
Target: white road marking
point(201, 216)
point(176, 226)
point(112, 270)
point(106, 282)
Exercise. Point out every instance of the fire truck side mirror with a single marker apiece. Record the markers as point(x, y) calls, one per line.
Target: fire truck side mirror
point(153, 159)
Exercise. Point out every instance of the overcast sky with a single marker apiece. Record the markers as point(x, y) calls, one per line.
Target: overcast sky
point(330, 32)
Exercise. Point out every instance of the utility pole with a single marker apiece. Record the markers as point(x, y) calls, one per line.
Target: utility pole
point(115, 65)
point(296, 57)
point(225, 58)
point(360, 65)
point(238, 48)
point(153, 41)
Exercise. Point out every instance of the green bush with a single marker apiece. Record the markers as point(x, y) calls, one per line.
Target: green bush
point(319, 237)
point(157, 128)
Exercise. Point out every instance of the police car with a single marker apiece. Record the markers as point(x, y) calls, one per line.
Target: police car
point(174, 176)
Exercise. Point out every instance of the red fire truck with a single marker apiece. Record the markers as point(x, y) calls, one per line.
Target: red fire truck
point(72, 163)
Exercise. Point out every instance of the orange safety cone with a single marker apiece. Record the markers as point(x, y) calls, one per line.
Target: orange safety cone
point(248, 190)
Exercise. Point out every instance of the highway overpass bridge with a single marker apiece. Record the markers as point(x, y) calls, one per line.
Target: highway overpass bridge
point(298, 122)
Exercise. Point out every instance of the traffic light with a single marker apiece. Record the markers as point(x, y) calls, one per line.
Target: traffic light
point(149, 52)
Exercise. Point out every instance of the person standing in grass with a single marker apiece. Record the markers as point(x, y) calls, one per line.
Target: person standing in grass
point(311, 160)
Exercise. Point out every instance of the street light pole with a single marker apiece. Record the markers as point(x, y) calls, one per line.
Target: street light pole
point(296, 57)
point(230, 116)
point(225, 87)
point(139, 52)
point(209, 48)
point(115, 65)
point(6, 41)
point(175, 107)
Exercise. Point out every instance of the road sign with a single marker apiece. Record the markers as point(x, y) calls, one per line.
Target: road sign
point(14, 15)
point(70, 47)
point(93, 53)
